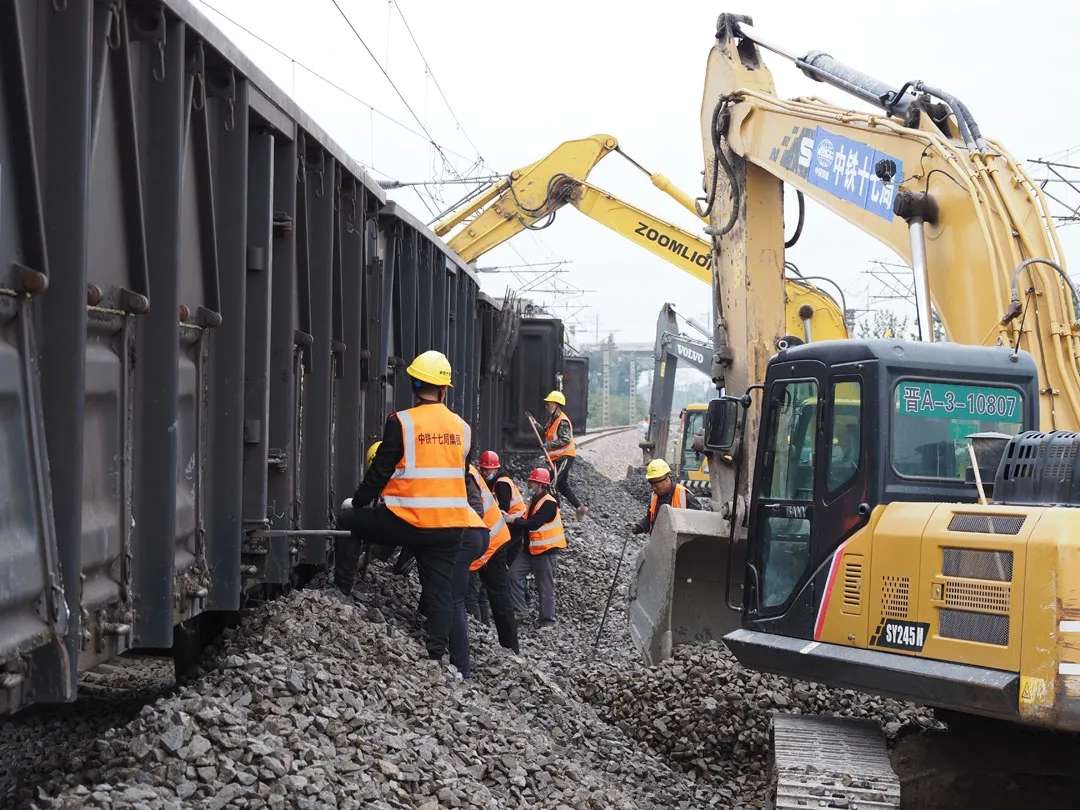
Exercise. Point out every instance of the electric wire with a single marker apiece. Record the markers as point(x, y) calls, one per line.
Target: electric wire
point(431, 138)
point(328, 81)
point(435, 81)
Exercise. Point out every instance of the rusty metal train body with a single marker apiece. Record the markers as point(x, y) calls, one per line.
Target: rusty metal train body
point(206, 308)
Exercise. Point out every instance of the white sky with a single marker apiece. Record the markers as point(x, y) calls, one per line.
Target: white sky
point(522, 78)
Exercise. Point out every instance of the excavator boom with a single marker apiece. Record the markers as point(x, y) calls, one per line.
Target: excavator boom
point(530, 197)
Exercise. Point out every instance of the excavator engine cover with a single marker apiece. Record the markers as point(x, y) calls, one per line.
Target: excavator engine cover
point(680, 580)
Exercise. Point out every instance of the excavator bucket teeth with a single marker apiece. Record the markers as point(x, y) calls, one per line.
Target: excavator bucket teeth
point(678, 593)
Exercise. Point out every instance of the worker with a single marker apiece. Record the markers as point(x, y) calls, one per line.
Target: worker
point(664, 491)
point(474, 541)
point(509, 497)
point(419, 469)
point(560, 447)
point(545, 536)
point(491, 566)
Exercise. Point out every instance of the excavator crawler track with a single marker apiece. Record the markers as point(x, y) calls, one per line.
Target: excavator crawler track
point(826, 762)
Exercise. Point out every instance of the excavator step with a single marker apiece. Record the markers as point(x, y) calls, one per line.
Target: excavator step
point(829, 762)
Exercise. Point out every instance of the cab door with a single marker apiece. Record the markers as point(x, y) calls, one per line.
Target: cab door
point(782, 505)
point(811, 491)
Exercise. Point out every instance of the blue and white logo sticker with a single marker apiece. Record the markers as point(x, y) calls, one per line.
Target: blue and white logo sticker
point(845, 168)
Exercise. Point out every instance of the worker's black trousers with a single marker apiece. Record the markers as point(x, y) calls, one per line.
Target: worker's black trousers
point(436, 551)
point(495, 576)
point(562, 480)
point(473, 544)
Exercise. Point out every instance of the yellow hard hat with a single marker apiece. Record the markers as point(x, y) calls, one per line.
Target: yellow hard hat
point(556, 397)
point(657, 469)
point(371, 451)
point(431, 367)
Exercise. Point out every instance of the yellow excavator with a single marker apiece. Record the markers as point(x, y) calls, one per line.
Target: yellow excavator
point(895, 517)
point(529, 199)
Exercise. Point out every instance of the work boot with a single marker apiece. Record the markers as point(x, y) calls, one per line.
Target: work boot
point(581, 512)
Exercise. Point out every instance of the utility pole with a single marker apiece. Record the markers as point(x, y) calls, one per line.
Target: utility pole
point(605, 386)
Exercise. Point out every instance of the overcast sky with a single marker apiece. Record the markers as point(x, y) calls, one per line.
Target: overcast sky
point(521, 78)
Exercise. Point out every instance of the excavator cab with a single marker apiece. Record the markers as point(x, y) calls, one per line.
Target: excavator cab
point(691, 461)
point(846, 427)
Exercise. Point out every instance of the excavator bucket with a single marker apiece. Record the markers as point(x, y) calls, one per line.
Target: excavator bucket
point(679, 592)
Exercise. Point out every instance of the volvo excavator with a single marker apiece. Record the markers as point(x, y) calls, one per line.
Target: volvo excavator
point(894, 517)
point(672, 347)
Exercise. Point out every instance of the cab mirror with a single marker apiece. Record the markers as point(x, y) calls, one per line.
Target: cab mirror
point(721, 421)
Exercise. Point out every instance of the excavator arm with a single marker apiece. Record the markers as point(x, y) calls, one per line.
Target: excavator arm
point(530, 198)
point(923, 181)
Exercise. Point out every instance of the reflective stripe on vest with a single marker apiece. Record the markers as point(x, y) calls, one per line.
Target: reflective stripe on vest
point(517, 506)
point(552, 433)
point(551, 534)
point(678, 501)
point(498, 531)
point(427, 488)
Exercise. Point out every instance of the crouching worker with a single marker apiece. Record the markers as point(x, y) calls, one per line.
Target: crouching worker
point(545, 536)
point(664, 491)
point(419, 470)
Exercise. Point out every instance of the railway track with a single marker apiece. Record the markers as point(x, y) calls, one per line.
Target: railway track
point(602, 433)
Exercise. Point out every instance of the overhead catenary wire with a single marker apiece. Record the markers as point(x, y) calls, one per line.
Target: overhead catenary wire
point(435, 81)
point(331, 83)
point(431, 138)
point(424, 134)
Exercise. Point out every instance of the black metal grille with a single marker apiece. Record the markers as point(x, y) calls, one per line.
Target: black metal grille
point(988, 628)
point(974, 563)
point(986, 524)
point(895, 593)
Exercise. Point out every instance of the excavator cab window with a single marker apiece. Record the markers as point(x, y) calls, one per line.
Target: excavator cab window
point(845, 440)
point(932, 420)
point(787, 475)
point(690, 459)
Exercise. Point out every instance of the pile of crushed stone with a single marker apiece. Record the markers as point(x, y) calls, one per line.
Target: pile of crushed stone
point(310, 703)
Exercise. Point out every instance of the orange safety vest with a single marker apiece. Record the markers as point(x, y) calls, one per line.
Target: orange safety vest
point(427, 489)
point(498, 531)
point(551, 433)
point(678, 501)
point(551, 534)
point(517, 503)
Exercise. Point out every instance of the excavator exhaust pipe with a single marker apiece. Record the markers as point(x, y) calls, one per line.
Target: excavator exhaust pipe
point(679, 591)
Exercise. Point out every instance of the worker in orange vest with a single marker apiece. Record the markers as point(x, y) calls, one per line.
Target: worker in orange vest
point(509, 497)
point(665, 492)
point(546, 536)
point(561, 449)
point(419, 470)
point(491, 566)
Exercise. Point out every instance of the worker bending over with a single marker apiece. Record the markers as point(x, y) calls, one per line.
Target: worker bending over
point(545, 536)
point(473, 543)
point(560, 447)
point(664, 491)
point(491, 565)
point(419, 469)
point(508, 496)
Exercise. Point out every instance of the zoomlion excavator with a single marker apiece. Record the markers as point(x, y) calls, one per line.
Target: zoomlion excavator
point(529, 199)
point(898, 517)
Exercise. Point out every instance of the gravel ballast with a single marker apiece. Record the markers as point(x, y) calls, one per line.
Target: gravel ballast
point(310, 703)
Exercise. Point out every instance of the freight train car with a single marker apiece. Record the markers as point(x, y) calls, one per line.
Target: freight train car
point(206, 309)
